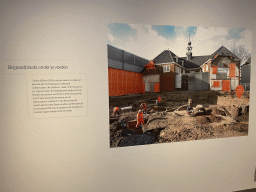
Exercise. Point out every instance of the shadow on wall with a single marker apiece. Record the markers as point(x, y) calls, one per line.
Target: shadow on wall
point(247, 190)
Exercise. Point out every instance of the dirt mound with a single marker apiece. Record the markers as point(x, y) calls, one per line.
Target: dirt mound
point(214, 118)
point(203, 119)
point(246, 94)
point(239, 128)
point(208, 119)
point(244, 109)
point(243, 118)
point(235, 111)
point(216, 111)
point(186, 134)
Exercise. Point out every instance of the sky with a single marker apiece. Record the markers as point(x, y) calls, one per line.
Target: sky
point(148, 41)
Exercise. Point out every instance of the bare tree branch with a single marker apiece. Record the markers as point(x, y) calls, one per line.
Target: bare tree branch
point(241, 52)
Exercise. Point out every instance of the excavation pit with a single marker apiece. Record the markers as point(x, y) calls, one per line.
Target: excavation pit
point(216, 121)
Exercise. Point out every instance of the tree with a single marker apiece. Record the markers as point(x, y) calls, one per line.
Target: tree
point(241, 52)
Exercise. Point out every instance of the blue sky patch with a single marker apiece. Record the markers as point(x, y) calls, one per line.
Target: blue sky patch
point(166, 31)
point(170, 32)
point(235, 33)
point(121, 30)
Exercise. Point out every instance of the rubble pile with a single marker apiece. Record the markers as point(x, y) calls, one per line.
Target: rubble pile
point(186, 134)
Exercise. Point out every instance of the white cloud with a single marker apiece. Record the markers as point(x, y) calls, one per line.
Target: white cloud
point(181, 30)
point(133, 26)
point(208, 40)
point(246, 40)
point(148, 44)
point(111, 37)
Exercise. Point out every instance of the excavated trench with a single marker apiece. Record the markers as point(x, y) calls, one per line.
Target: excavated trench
point(178, 129)
point(163, 123)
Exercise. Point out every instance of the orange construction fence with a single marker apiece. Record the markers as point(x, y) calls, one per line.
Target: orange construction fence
point(232, 70)
point(156, 87)
point(225, 85)
point(124, 82)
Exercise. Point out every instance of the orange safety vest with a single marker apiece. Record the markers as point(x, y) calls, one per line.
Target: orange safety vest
point(116, 109)
point(140, 117)
point(159, 99)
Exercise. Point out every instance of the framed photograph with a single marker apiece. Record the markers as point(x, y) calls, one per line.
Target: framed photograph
point(177, 83)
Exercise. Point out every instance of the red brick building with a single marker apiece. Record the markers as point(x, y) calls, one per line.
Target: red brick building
point(218, 71)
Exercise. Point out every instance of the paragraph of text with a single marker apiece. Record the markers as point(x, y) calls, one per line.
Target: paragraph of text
point(57, 97)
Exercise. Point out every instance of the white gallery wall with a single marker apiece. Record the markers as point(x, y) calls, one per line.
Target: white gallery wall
point(70, 152)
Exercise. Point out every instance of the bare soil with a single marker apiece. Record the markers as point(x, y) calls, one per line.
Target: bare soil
point(169, 122)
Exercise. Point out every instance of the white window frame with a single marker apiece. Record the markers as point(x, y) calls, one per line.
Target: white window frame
point(166, 68)
point(177, 69)
point(206, 70)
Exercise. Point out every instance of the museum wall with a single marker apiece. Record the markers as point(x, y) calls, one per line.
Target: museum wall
point(66, 41)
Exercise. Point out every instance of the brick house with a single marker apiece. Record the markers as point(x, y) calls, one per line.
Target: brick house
point(224, 68)
point(218, 71)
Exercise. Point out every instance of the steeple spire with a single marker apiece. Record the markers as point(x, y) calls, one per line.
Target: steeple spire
point(189, 48)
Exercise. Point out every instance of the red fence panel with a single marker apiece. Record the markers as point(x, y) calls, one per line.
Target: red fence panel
point(109, 83)
point(232, 70)
point(225, 85)
point(138, 83)
point(114, 82)
point(156, 87)
point(124, 82)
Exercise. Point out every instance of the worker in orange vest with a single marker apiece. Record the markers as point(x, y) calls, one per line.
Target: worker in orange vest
point(115, 111)
point(143, 107)
point(140, 118)
point(158, 100)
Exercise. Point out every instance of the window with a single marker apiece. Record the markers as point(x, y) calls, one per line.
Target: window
point(166, 68)
point(177, 69)
point(192, 71)
point(206, 68)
